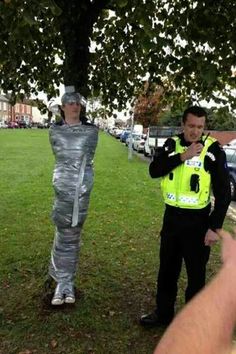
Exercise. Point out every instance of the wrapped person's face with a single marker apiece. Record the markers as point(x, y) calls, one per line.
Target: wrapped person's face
point(71, 109)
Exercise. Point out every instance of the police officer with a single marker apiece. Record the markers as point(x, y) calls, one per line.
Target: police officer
point(191, 165)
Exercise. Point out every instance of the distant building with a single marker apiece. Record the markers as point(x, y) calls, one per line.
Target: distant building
point(22, 111)
point(26, 111)
point(5, 109)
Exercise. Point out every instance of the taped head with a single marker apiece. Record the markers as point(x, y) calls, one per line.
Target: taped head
point(73, 97)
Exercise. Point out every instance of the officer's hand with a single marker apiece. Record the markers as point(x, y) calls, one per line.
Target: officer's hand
point(193, 150)
point(211, 238)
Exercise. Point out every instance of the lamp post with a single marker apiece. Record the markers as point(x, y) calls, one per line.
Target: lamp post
point(130, 150)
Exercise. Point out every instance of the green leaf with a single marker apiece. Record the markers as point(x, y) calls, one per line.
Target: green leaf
point(122, 3)
point(209, 73)
point(29, 18)
point(56, 10)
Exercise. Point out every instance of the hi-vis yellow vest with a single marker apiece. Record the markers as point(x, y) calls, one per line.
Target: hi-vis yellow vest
point(188, 185)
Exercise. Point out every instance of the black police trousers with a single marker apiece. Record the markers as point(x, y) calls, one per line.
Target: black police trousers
point(182, 239)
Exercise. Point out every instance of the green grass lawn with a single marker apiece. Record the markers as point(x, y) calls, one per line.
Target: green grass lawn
point(119, 254)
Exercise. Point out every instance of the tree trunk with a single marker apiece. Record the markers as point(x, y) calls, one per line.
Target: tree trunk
point(76, 25)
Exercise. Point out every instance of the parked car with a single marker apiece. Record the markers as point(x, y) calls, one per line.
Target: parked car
point(12, 125)
point(131, 137)
point(117, 132)
point(231, 143)
point(23, 124)
point(231, 162)
point(138, 144)
point(124, 135)
point(156, 137)
point(3, 125)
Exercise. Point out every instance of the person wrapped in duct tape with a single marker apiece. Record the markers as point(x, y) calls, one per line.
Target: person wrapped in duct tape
point(73, 143)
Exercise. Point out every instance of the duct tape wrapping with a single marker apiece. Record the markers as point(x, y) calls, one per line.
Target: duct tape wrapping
point(73, 97)
point(74, 147)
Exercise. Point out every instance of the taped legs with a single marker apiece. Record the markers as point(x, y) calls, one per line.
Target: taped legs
point(64, 262)
point(65, 254)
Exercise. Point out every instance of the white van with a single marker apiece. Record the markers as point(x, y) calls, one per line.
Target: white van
point(156, 136)
point(138, 129)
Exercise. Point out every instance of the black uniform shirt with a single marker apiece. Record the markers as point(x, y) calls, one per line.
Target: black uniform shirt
point(215, 163)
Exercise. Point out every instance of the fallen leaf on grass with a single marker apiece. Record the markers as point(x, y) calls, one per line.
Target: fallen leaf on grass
point(91, 351)
point(6, 285)
point(53, 343)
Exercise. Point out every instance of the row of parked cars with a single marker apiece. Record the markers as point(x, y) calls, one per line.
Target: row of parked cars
point(14, 125)
point(135, 139)
point(145, 143)
point(22, 124)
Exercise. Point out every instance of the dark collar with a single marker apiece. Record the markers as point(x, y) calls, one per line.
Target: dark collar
point(83, 120)
point(183, 142)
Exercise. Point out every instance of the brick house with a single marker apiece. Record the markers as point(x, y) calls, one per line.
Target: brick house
point(20, 111)
point(224, 137)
